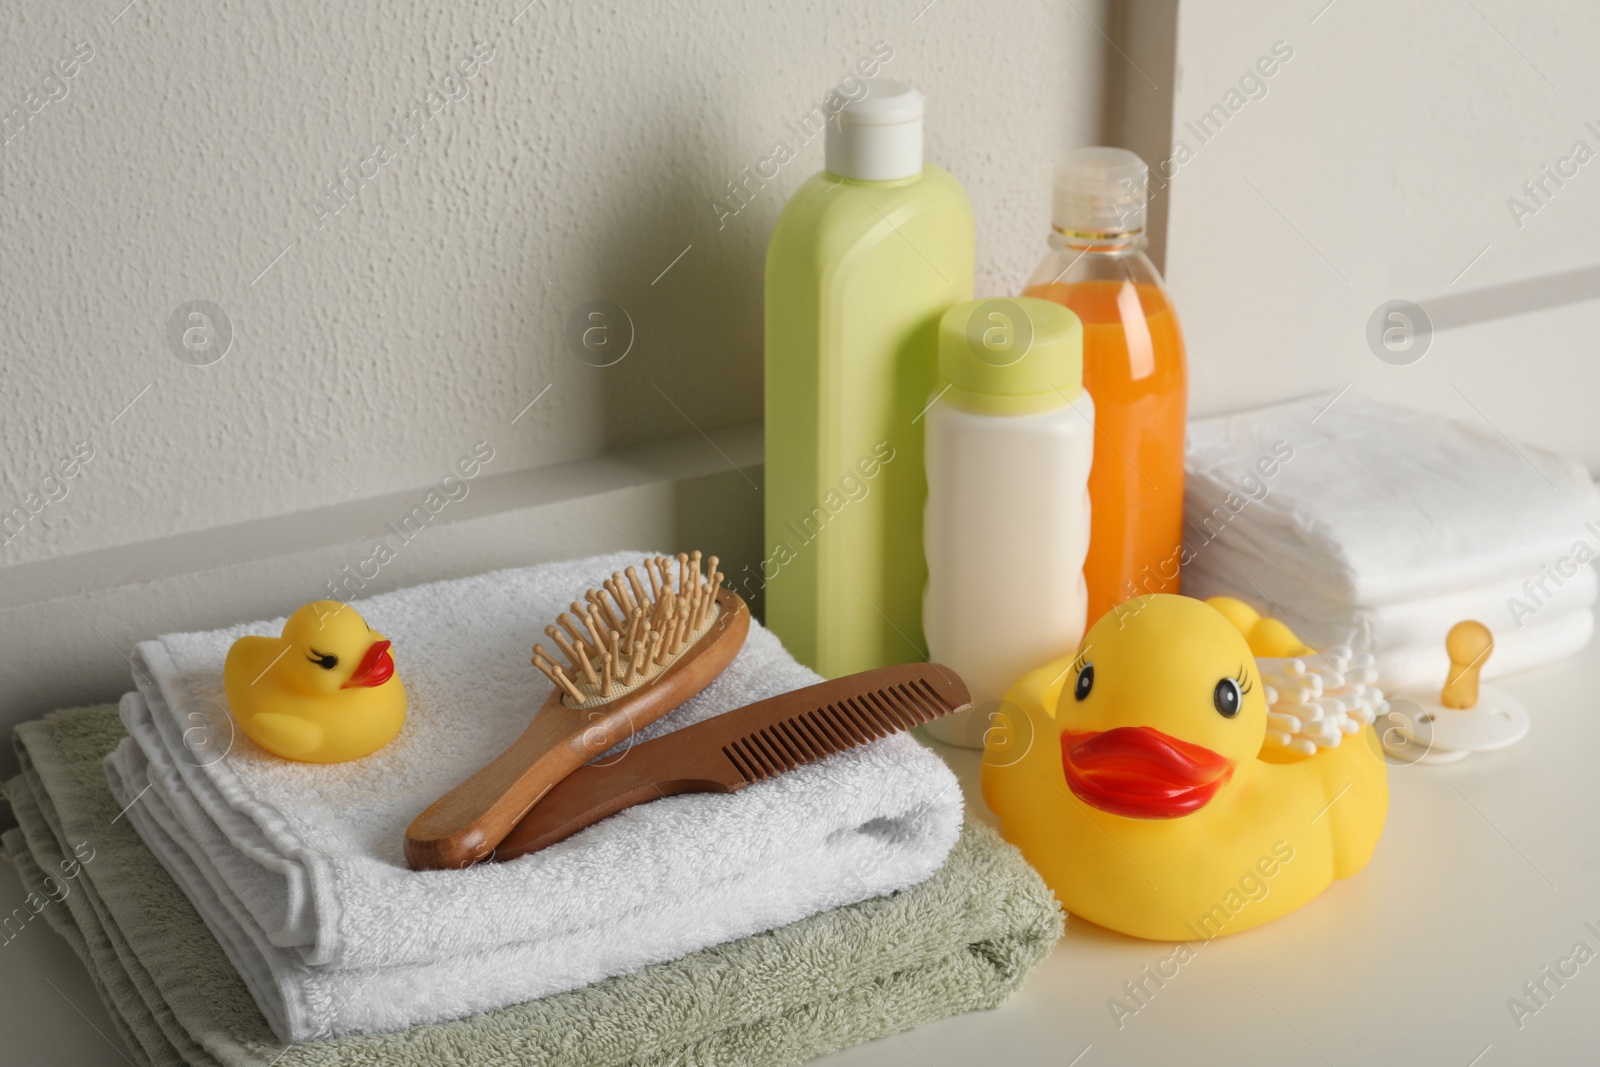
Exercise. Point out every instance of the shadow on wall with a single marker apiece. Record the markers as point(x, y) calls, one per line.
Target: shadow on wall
point(674, 330)
point(722, 514)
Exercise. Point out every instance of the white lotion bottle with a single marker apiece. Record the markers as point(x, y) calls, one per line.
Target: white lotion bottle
point(1009, 439)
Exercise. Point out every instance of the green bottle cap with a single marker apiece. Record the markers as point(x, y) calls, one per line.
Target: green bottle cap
point(1010, 356)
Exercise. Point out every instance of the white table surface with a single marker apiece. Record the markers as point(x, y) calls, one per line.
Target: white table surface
point(1487, 872)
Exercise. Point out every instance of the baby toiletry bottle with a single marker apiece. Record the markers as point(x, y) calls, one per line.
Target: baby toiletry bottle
point(1133, 366)
point(1010, 440)
point(864, 259)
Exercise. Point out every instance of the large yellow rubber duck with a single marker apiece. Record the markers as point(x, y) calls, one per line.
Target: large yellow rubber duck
point(1129, 777)
point(324, 692)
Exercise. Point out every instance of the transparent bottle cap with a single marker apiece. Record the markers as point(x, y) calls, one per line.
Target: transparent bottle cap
point(1100, 192)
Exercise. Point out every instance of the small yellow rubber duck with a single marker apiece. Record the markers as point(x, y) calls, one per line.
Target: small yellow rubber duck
point(1129, 777)
point(1268, 637)
point(324, 692)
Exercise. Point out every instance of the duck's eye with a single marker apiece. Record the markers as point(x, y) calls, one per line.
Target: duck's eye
point(1085, 682)
point(326, 660)
point(1227, 698)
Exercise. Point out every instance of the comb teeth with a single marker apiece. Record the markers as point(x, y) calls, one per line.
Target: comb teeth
point(622, 635)
point(834, 727)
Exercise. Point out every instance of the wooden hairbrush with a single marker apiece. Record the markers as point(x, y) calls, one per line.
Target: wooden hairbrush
point(633, 652)
point(725, 753)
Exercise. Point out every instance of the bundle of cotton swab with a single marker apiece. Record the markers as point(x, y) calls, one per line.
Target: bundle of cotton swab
point(1314, 700)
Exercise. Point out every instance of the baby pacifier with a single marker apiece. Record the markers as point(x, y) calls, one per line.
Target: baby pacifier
point(1466, 717)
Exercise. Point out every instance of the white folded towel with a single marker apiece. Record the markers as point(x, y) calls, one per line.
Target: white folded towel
point(299, 867)
point(1409, 670)
point(1506, 607)
point(1378, 503)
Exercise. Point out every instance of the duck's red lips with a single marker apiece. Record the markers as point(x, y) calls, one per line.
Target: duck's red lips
point(375, 668)
point(1141, 773)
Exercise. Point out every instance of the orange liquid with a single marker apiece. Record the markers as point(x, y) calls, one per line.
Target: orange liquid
point(1133, 368)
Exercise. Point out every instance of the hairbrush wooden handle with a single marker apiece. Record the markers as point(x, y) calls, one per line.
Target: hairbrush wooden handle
point(465, 825)
point(592, 793)
point(728, 752)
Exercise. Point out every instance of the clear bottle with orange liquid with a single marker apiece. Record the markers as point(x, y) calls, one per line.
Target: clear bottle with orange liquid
point(1133, 368)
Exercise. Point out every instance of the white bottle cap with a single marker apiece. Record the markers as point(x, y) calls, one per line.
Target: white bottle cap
point(879, 137)
point(1100, 192)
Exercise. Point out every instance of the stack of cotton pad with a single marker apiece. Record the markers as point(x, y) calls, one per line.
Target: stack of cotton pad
point(1378, 527)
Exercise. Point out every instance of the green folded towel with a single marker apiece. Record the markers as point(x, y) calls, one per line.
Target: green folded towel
point(964, 939)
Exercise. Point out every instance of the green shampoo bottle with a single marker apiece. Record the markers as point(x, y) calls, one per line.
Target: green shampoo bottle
point(865, 258)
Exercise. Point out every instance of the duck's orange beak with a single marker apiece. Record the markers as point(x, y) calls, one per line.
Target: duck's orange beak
point(1141, 773)
point(375, 668)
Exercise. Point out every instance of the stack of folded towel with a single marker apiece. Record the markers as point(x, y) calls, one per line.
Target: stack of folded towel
point(1380, 527)
point(298, 871)
point(962, 940)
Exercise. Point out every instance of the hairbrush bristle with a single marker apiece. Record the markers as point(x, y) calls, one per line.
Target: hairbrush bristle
point(623, 634)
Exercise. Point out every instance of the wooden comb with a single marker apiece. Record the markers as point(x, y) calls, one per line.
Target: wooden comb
point(633, 651)
point(725, 753)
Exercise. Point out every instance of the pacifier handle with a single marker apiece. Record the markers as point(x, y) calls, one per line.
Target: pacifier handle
point(1468, 644)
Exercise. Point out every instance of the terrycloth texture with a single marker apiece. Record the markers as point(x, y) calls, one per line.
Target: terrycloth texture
point(962, 940)
point(1380, 503)
point(299, 867)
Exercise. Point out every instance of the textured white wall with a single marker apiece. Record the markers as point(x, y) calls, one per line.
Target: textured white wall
point(187, 156)
point(1378, 166)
